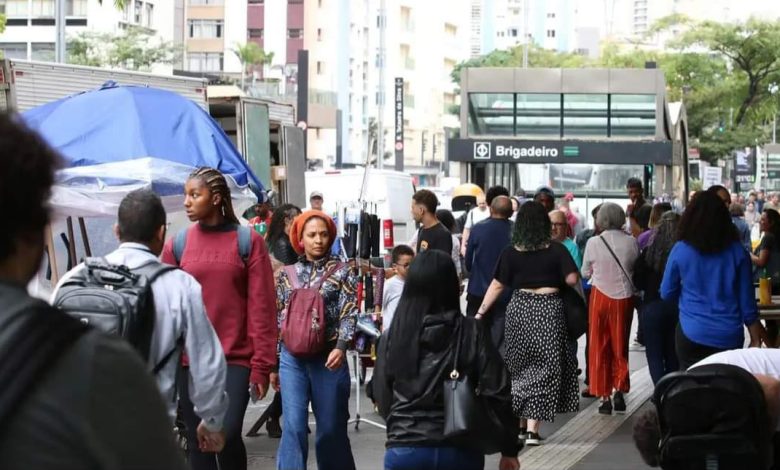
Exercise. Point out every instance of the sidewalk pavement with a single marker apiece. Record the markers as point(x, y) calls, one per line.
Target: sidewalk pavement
point(589, 442)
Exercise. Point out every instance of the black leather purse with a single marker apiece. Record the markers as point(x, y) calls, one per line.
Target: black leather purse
point(468, 421)
point(576, 312)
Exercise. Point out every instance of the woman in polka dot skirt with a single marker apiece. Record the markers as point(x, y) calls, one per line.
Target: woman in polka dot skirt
point(542, 368)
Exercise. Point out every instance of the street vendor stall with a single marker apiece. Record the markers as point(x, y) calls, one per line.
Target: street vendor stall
point(116, 139)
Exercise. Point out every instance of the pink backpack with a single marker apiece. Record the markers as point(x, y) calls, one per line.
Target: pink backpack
point(303, 322)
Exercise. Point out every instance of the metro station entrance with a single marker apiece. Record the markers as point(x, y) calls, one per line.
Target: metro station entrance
point(584, 132)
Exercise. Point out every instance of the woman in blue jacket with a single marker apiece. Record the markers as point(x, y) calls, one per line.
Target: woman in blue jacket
point(709, 273)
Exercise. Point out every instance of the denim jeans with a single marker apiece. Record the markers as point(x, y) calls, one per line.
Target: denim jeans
point(660, 320)
point(304, 381)
point(433, 458)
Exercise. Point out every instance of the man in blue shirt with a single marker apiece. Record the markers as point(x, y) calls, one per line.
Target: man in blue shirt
point(486, 242)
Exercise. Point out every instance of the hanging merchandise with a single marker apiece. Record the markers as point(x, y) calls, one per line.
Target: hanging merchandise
point(376, 234)
point(351, 231)
point(368, 292)
point(365, 235)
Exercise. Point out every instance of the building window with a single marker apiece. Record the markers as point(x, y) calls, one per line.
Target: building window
point(42, 8)
point(205, 61)
point(207, 2)
point(14, 50)
point(319, 3)
point(513, 32)
point(149, 15)
point(320, 67)
point(76, 8)
point(294, 33)
point(550, 33)
point(43, 51)
point(585, 115)
point(256, 33)
point(256, 2)
point(550, 15)
point(206, 29)
point(137, 12)
point(16, 9)
point(319, 34)
point(491, 114)
point(632, 115)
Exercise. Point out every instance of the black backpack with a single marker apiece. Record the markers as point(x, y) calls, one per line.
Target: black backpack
point(115, 300)
point(713, 416)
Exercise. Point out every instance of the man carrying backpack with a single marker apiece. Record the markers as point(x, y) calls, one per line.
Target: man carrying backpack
point(177, 311)
point(70, 397)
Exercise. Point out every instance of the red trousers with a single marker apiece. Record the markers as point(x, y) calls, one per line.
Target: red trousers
point(610, 320)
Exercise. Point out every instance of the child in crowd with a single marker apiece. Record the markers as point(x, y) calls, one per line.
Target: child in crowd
point(402, 258)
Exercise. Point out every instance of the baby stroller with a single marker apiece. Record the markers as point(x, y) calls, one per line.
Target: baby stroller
point(713, 417)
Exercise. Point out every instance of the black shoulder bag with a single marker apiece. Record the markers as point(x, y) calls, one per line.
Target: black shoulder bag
point(468, 421)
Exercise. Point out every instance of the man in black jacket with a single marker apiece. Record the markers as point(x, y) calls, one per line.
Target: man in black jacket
point(93, 405)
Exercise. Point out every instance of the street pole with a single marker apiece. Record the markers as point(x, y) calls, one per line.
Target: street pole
point(380, 129)
point(59, 47)
point(525, 33)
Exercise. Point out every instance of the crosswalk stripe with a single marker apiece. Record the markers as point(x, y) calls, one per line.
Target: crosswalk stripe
point(580, 435)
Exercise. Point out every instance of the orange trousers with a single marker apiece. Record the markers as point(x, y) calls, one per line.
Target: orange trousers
point(609, 323)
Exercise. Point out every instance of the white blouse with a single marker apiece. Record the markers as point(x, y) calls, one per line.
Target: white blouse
point(600, 267)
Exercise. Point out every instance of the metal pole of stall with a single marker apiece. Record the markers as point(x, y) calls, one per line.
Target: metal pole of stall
point(84, 237)
point(59, 47)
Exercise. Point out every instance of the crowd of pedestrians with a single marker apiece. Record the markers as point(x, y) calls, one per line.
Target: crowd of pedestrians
point(238, 310)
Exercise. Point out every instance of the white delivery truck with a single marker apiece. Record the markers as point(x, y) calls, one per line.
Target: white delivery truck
point(27, 84)
point(389, 191)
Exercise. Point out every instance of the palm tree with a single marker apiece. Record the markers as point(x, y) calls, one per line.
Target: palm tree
point(118, 4)
point(251, 54)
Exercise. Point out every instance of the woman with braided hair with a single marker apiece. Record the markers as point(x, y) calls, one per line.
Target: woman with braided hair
point(233, 266)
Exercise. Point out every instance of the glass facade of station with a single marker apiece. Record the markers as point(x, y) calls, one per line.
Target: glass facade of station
point(559, 115)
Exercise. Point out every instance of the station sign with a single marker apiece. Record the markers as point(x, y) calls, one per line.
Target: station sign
point(560, 151)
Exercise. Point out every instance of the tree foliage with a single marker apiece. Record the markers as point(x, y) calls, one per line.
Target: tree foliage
point(135, 49)
point(728, 75)
point(250, 55)
point(2, 23)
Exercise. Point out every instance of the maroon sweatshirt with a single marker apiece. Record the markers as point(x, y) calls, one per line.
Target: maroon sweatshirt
point(240, 298)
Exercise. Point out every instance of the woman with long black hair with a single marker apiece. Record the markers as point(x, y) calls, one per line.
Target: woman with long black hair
point(278, 238)
point(659, 316)
point(415, 360)
point(709, 274)
point(238, 292)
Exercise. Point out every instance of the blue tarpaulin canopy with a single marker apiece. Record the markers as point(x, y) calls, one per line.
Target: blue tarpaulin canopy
point(117, 138)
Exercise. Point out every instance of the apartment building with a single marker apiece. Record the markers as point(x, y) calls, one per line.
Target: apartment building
point(209, 30)
point(30, 28)
point(423, 43)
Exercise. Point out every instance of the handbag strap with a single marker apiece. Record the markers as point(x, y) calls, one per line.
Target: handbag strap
point(620, 265)
point(455, 374)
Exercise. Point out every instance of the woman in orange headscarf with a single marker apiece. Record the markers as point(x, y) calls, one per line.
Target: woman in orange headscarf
point(321, 377)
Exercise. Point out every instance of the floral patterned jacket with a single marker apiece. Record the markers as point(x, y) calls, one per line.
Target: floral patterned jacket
point(339, 292)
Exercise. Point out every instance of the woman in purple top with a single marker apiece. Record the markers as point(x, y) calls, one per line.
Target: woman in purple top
point(645, 238)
